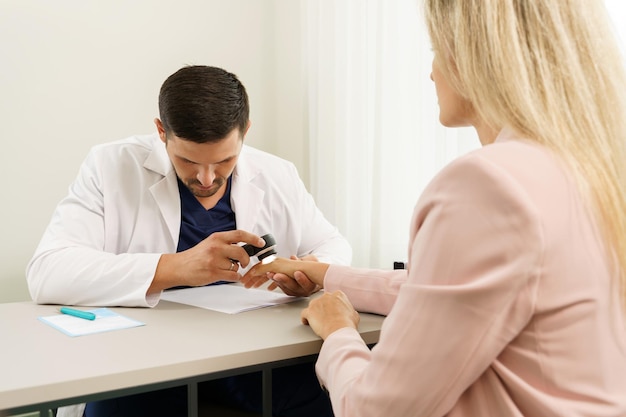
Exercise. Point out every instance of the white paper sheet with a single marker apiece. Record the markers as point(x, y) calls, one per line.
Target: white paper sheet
point(227, 298)
point(106, 320)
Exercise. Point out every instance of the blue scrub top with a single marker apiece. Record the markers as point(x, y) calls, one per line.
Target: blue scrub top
point(197, 223)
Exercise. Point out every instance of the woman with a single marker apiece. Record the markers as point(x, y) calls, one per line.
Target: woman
point(513, 303)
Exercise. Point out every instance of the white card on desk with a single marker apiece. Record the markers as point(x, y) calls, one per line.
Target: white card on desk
point(106, 320)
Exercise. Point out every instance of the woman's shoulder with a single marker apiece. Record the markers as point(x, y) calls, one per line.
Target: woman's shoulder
point(513, 164)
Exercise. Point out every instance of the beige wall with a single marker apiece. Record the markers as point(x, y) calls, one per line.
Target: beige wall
point(80, 72)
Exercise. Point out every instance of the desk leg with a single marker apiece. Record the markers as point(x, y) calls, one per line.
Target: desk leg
point(267, 393)
point(192, 399)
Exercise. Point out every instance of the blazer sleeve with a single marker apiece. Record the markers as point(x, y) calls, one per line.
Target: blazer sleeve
point(365, 285)
point(474, 260)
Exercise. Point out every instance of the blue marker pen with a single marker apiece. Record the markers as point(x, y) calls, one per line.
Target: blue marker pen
point(78, 313)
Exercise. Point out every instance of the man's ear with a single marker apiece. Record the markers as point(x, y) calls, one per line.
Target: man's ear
point(247, 128)
point(160, 129)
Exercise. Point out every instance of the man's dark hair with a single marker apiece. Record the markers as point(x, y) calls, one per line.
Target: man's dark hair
point(203, 104)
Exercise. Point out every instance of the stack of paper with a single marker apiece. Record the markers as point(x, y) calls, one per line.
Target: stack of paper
point(227, 298)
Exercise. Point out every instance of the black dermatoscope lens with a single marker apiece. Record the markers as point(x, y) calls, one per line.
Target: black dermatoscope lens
point(267, 250)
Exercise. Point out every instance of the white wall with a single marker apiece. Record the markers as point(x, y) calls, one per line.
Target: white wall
point(75, 73)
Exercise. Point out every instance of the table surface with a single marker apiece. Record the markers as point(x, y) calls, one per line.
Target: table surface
point(40, 364)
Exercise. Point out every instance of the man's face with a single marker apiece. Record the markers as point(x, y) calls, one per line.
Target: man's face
point(204, 167)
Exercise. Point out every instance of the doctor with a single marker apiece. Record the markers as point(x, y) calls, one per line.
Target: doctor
point(170, 209)
point(152, 212)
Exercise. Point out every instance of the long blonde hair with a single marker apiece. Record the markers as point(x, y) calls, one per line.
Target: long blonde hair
point(552, 71)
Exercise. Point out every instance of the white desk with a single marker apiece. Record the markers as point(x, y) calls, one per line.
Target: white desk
point(42, 368)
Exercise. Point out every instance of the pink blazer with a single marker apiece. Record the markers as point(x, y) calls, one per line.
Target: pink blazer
point(507, 308)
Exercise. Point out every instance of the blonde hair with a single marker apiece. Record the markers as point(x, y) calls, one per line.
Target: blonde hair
point(552, 71)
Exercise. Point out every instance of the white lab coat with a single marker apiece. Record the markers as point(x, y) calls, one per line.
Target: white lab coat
point(123, 211)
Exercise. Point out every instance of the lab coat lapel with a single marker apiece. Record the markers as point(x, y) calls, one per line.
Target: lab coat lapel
point(245, 197)
point(165, 191)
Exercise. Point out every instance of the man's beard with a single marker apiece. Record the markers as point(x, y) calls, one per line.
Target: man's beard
point(194, 185)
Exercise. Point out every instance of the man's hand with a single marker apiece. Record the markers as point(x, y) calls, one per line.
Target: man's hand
point(329, 313)
point(299, 285)
point(295, 276)
point(216, 258)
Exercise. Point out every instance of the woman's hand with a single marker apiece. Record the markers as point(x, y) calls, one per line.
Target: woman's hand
point(330, 312)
